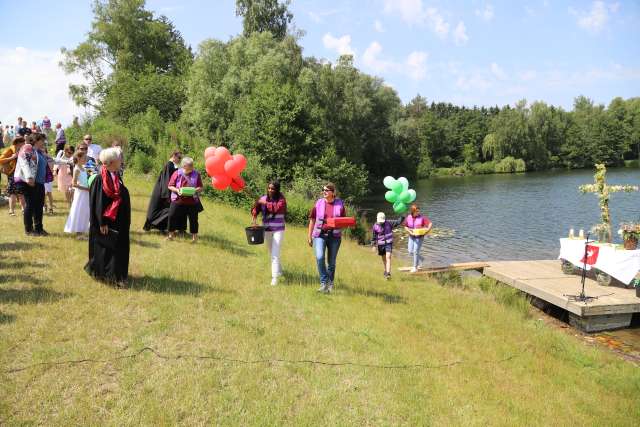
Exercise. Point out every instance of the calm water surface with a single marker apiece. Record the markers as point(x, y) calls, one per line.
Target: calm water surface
point(512, 216)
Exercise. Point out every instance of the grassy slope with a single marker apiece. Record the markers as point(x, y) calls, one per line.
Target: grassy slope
point(213, 299)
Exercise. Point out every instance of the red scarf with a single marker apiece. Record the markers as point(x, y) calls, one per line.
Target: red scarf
point(112, 189)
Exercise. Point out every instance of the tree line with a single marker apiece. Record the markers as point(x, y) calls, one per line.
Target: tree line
point(304, 120)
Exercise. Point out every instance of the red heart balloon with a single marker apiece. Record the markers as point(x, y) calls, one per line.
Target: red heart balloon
point(237, 184)
point(236, 165)
point(220, 182)
point(210, 151)
point(223, 152)
point(214, 165)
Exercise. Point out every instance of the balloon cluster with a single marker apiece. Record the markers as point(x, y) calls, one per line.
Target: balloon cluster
point(399, 193)
point(224, 169)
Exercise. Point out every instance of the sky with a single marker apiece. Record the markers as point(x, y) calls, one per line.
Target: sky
point(472, 52)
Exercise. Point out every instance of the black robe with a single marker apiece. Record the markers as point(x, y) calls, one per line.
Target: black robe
point(111, 265)
point(158, 210)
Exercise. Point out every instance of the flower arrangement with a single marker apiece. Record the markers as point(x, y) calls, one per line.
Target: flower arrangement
point(601, 230)
point(630, 232)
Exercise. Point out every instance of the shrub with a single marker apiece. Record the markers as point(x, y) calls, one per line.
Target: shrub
point(142, 163)
point(632, 163)
point(510, 165)
point(484, 168)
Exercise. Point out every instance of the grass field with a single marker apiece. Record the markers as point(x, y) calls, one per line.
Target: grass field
point(201, 338)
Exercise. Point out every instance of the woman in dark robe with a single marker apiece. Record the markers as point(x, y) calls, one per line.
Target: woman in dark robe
point(158, 211)
point(110, 219)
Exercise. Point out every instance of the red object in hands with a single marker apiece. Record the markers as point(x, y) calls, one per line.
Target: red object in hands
point(223, 153)
point(592, 255)
point(341, 222)
point(234, 166)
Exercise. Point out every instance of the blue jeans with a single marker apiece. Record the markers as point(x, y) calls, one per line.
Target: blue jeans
point(327, 270)
point(415, 243)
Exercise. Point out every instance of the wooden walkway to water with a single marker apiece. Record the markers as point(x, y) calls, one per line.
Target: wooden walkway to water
point(545, 280)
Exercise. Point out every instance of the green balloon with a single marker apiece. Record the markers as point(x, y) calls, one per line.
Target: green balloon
point(390, 196)
point(405, 183)
point(388, 182)
point(413, 195)
point(396, 187)
point(399, 207)
point(404, 197)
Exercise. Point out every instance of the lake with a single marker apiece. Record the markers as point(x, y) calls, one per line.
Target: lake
point(511, 216)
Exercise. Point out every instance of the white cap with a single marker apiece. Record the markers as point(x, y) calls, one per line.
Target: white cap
point(381, 217)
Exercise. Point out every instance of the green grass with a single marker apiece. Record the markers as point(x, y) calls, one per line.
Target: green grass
point(229, 349)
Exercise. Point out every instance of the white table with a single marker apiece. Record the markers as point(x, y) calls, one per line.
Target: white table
point(615, 261)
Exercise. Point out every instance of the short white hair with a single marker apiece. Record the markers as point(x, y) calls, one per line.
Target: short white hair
point(108, 155)
point(186, 161)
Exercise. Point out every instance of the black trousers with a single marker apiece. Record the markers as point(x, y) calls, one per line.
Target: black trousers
point(178, 215)
point(34, 204)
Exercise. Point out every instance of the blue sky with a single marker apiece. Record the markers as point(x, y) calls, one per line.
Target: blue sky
point(466, 52)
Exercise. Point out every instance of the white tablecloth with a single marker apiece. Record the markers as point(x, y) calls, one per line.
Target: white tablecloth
point(616, 262)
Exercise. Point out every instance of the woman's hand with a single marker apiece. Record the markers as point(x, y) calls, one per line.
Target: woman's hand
point(310, 241)
point(198, 189)
point(373, 249)
point(253, 221)
point(104, 229)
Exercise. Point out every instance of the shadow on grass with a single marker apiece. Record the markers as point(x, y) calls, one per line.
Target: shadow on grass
point(21, 278)
point(170, 285)
point(384, 296)
point(144, 244)
point(15, 264)
point(6, 318)
point(30, 296)
point(298, 277)
point(224, 244)
point(15, 246)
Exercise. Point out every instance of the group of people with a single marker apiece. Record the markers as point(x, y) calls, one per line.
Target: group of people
point(91, 179)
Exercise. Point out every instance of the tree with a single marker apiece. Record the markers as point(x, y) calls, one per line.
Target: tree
point(264, 15)
point(124, 38)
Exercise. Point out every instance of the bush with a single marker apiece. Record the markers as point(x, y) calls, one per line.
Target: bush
point(632, 163)
point(510, 165)
point(484, 168)
point(142, 163)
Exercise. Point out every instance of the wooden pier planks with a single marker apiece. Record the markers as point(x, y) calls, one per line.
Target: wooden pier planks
point(451, 267)
point(545, 280)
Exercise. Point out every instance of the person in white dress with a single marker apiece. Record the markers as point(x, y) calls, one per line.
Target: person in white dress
point(78, 220)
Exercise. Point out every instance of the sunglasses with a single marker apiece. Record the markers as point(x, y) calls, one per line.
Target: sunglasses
point(326, 190)
point(88, 139)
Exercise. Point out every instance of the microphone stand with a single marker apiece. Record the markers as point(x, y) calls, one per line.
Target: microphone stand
point(582, 297)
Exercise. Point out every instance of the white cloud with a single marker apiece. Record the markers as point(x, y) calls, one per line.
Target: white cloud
point(378, 26)
point(460, 34)
point(341, 45)
point(318, 17)
point(497, 71)
point(486, 13)
point(415, 66)
point(436, 22)
point(33, 85)
point(595, 19)
point(410, 10)
point(371, 59)
point(414, 13)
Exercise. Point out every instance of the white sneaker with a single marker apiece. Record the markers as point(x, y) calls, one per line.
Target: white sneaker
point(413, 270)
point(322, 288)
point(274, 281)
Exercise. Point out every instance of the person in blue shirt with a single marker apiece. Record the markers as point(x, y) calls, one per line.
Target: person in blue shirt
point(33, 179)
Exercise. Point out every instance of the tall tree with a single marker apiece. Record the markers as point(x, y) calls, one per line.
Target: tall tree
point(264, 15)
point(124, 38)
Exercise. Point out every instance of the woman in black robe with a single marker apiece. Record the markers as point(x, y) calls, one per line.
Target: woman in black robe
point(110, 218)
point(158, 211)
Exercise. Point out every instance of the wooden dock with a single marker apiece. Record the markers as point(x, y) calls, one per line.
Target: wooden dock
point(612, 309)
